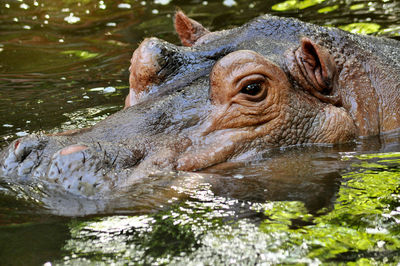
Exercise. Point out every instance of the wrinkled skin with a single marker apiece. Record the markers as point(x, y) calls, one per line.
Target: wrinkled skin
point(226, 96)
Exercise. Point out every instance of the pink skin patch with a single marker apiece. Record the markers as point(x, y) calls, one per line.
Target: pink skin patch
point(73, 149)
point(16, 144)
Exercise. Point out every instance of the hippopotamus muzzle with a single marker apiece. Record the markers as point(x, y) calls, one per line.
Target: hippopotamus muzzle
point(79, 168)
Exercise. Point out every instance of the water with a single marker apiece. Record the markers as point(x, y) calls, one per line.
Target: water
point(64, 65)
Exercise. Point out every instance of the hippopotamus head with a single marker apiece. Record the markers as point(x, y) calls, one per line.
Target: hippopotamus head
point(223, 96)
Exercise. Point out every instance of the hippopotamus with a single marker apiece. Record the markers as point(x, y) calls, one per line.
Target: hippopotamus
point(223, 96)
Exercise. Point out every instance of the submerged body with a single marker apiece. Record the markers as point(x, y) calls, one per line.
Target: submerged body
point(228, 95)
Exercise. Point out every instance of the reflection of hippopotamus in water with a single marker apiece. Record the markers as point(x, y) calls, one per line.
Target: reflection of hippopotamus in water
point(227, 96)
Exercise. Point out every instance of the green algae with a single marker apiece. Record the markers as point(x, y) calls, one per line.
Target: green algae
point(295, 4)
point(328, 9)
point(361, 27)
point(365, 220)
point(357, 6)
point(81, 54)
point(361, 227)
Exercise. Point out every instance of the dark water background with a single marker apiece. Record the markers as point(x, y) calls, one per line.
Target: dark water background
point(64, 64)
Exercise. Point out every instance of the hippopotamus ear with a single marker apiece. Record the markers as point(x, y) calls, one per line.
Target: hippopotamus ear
point(315, 69)
point(189, 30)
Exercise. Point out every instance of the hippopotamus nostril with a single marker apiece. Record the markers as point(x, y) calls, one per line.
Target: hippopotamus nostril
point(21, 151)
point(16, 144)
point(24, 147)
point(23, 156)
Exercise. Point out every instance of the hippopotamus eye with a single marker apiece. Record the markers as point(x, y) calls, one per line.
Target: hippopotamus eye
point(251, 89)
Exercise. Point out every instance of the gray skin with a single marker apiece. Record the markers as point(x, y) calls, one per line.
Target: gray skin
point(324, 85)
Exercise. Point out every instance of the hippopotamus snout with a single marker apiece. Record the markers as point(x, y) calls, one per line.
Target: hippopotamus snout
point(22, 156)
point(80, 168)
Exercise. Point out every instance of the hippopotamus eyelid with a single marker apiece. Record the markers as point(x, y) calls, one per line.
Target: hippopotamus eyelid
point(250, 79)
